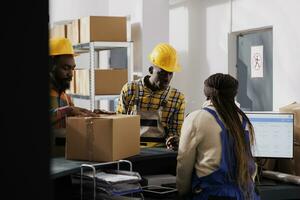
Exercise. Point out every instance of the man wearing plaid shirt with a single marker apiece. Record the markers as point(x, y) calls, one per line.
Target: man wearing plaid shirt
point(160, 106)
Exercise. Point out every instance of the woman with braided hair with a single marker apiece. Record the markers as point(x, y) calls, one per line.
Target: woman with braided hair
point(214, 156)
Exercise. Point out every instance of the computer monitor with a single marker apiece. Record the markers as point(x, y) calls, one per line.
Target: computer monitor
point(273, 134)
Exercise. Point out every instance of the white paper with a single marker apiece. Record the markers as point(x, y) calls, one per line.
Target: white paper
point(257, 61)
point(114, 178)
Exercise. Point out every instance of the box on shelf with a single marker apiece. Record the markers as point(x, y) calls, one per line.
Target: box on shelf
point(103, 28)
point(82, 81)
point(72, 89)
point(58, 30)
point(107, 81)
point(73, 31)
point(104, 138)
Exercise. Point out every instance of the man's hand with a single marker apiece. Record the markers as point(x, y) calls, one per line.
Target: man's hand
point(172, 143)
point(76, 111)
point(101, 111)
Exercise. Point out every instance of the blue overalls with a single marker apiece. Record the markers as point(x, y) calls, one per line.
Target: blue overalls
point(219, 183)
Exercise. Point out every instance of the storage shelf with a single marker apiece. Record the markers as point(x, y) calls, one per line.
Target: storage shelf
point(97, 97)
point(85, 47)
point(96, 47)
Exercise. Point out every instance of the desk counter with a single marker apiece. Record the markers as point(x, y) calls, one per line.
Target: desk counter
point(163, 161)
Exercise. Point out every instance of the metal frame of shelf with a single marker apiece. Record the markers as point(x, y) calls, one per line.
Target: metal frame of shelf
point(96, 167)
point(101, 45)
point(97, 97)
point(93, 47)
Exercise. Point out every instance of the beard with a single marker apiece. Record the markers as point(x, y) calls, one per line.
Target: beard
point(163, 85)
point(64, 84)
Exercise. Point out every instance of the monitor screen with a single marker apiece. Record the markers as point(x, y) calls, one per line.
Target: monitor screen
point(273, 134)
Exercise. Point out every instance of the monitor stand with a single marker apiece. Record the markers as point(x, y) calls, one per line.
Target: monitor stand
point(259, 180)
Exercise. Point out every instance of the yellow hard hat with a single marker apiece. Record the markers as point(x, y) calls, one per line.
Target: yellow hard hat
point(165, 56)
point(61, 46)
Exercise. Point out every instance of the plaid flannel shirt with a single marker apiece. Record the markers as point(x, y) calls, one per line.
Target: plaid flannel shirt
point(172, 113)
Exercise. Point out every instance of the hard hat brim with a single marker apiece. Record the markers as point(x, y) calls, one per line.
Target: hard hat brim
point(176, 68)
point(58, 54)
point(61, 46)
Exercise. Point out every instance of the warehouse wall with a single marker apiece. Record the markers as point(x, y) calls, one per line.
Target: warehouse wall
point(283, 16)
point(71, 9)
point(199, 29)
point(155, 27)
point(148, 28)
point(133, 9)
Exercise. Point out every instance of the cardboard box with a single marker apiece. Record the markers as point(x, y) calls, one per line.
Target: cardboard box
point(110, 81)
point(73, 31)
point(104, 138)
point(58, 30)
point(107, 81)
point(103, 28)
point(72, 89)
point(290, 166)
point(82, 81)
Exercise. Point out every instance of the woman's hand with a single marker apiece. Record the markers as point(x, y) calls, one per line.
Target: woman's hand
point(172, 143)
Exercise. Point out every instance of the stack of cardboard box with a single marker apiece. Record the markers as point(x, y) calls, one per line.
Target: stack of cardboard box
point(91, 29)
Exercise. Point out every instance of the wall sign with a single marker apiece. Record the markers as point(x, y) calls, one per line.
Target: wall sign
point(257, 61)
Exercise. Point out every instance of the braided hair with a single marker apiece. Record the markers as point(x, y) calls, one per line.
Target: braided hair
point(221, 90)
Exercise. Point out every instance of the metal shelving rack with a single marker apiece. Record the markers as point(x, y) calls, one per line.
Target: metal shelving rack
point(93, 47)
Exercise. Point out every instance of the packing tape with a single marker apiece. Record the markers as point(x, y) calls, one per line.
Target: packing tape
point(90, 138)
